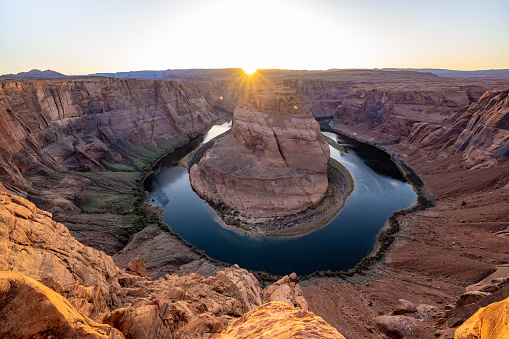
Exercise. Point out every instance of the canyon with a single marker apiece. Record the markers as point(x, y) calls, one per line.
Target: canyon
point(76, 147)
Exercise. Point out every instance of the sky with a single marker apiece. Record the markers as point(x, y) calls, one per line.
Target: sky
point(82, 37)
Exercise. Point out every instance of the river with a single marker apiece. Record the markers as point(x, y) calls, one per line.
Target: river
point(339, 245)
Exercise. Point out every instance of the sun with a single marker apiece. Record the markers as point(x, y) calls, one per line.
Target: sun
point(249, 70)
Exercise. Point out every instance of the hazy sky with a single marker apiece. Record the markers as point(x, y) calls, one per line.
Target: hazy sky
point(81, 37)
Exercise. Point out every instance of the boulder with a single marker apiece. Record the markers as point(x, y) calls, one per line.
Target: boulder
point(29, 309)
point(285, 289)
point(137, 266)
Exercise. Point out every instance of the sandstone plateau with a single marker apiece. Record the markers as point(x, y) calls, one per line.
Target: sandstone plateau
point(273, 163)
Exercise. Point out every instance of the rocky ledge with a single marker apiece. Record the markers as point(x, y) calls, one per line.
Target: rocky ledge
point(279, 320)
point(53, 286)
point(273, 163)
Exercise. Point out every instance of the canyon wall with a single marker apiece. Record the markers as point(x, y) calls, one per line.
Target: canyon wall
point(323, 97)
point(87, 124)
point(479, 132)
point(390, 111)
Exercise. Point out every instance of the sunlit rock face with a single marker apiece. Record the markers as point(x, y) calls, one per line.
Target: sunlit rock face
point(279, 320)
point(488, 322)
point(273, 163)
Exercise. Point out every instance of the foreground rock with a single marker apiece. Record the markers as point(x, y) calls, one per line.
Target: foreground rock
point(81, 292)
point(29, 309)
point(33, 244)
point(279, 320)
point(406, 320)
point(273, 163)
point(489, 322)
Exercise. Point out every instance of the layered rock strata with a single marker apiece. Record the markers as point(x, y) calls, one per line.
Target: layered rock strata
point(273, 163)
point(479, 132)
point(390, 111)
point(87, 123)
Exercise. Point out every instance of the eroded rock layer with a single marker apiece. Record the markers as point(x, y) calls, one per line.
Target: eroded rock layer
point(480, 131)
point(390, 111)
point(33, 244)
point(273, 163)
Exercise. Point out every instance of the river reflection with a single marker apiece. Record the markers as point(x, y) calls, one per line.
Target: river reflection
point(339, 245)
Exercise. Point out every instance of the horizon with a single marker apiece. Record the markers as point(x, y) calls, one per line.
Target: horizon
point(122, 36)
point(264, 69)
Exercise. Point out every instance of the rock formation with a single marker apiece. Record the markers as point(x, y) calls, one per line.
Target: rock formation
point(322, 97)
point(286, 289)
point(33, 244)
point(390, 111)
point(279, 320)
point(407, 320)
point(273, 163)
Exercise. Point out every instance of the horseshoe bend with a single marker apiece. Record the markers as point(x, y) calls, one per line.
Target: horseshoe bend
point(273, 163)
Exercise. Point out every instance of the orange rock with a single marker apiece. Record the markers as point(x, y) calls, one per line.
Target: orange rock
point(33, 244)
point(190, 305)
point(285, 289)
point(30, 309)
point(489, 322)
point(279, 320)
point(137, 266)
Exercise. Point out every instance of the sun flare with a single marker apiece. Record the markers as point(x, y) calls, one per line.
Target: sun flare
point(249, 70)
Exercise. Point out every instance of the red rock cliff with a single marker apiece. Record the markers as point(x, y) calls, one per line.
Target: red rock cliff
point(76, 124)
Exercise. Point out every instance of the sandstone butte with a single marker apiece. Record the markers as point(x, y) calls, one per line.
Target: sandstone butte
point(52, 285)
point(273, 163)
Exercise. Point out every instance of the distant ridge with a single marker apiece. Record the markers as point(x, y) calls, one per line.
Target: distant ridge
point(149, 74)
point(452, 73)
point(36, 73)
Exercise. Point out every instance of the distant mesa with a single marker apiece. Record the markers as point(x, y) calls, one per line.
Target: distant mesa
point(36, 73)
